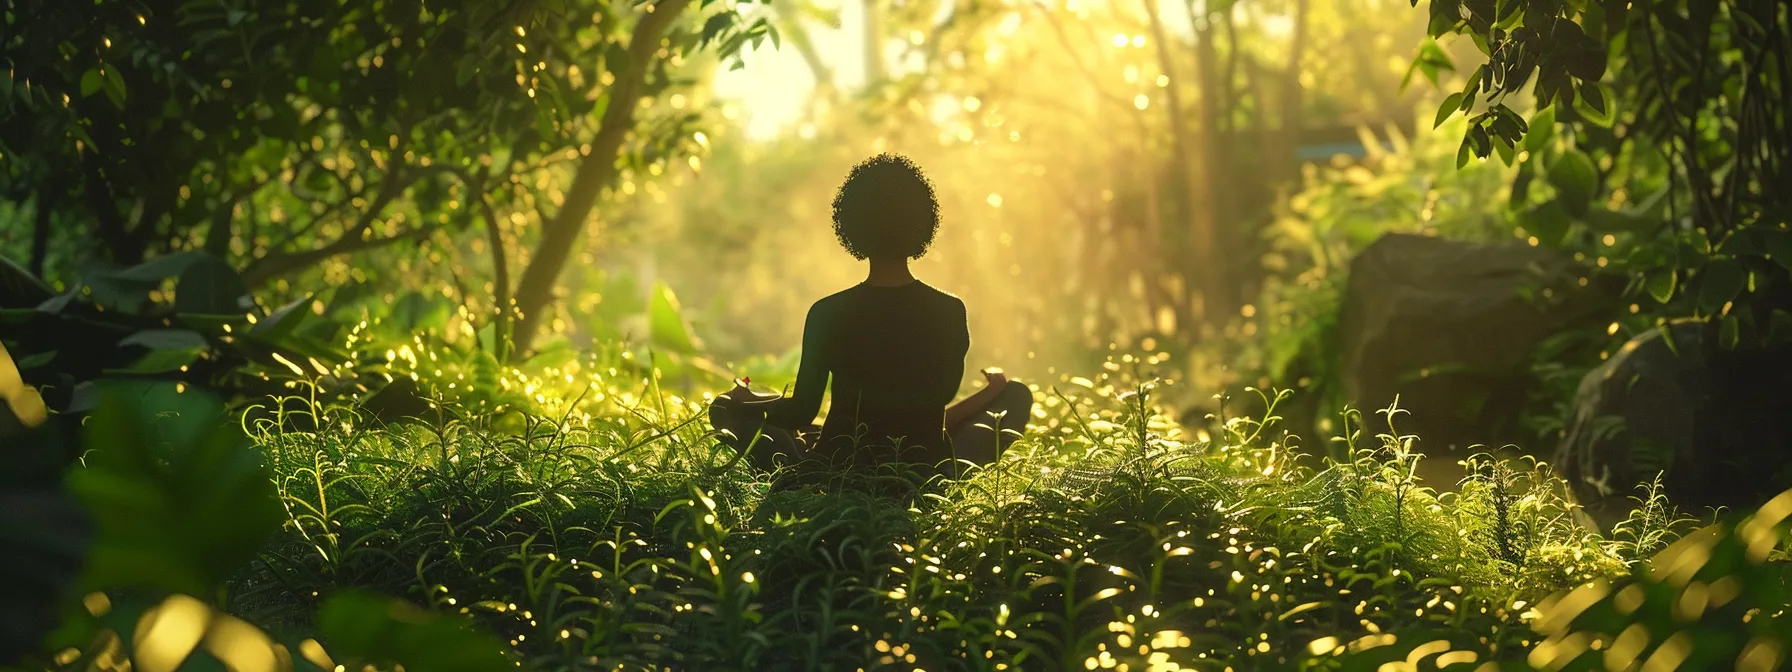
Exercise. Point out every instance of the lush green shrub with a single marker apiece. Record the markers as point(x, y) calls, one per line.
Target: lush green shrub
point(617, 533)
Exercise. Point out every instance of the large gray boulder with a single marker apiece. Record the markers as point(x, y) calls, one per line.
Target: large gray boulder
point(1718, 422)
point(1451, 327)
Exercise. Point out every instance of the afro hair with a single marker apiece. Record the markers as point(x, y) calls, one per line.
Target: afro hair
point(886, 209)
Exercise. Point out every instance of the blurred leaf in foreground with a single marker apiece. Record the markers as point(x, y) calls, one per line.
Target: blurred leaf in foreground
point(180, 499)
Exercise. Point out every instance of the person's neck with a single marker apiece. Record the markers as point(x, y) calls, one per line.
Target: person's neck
point(889, 273)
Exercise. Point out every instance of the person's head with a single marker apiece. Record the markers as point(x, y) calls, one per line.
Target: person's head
point(886, 210)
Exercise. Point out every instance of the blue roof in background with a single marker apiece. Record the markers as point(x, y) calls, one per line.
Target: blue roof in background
point(1325, 151)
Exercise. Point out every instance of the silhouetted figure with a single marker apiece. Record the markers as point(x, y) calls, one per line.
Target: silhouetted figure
point(889, 350)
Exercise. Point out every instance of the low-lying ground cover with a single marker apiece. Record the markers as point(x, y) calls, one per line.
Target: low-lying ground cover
point(609, 530)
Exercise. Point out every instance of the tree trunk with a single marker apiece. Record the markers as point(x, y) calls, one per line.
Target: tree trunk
point(1292, 97)
point(560, 235)
point(1221, 176)
point(1193, 199)
point(500, 274)
point(874, 44)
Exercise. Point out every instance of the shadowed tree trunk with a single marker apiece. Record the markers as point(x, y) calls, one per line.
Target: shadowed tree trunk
point(1287, 162)
point(560, 235)
point(1221, 176)
point(1193, 199)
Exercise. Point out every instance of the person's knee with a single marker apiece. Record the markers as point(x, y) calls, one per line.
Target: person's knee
point(1015, 394)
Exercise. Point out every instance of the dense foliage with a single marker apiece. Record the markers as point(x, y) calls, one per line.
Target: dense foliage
point(609, 531)
point(274, 397)
point(1672, 146)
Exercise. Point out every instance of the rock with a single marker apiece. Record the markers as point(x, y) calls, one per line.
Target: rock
point(1451, 327)
point(1715, 420)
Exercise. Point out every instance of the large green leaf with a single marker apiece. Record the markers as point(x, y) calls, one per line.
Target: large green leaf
point(666, 321)
point(208, 285)
point(165, 339)
point(1661, 283)
point(1547, 221)
point(1450, 106)
point(164, 361)
point(1720, 282)
point(19, 288)
point(162, 268)
point(1778, 243)
point(1593, 105)
point(281, 323)
point(1543, 129)
point(1574, 178)
point(91, 81)
point(1605, 220)
point(111, 291)
point(179, 498)
point(1779, 328)
point(416, 312)
point(366, 628)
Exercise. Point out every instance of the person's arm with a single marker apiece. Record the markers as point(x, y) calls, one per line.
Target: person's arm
point(958, 345)
point(964, 411)
point(798, 410)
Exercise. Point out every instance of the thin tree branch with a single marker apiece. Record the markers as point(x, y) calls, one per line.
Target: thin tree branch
point(278, 265)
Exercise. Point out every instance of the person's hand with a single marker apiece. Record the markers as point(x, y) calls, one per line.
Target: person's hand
point(995, 377)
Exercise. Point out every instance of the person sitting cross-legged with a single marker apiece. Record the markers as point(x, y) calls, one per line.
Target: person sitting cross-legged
point(890, 352)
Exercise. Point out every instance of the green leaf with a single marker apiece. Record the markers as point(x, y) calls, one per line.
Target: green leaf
point(1604, 220)
point(415, 312)
point(1742, 243)
point(283, 320)
point(1729, 332)
point(114, 86)
point(91, 81)
point(1593, 97)
point(1504, 148)
point(1464, 153)
point(114, 293)
point(1720, 282)
point(1779, 328)
point(1547, 221)
point(1472, 85)
point(1521, 183)
point(1592, 106)
point(1778, 243)
point(33, 361)
point(1661, 283)
point(1543, 129)
point(370, 629)
point(209, 285)
point(1448, 108)
point(179, 499)
point(1574, 178)
point(165, 339)
point(164, 360)
point(667, 323)
point(716, 25)
point(162, 268)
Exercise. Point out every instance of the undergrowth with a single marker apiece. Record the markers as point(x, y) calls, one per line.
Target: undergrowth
point(618, 534)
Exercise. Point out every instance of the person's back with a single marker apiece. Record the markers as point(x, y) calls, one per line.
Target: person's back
point(895, 354)
point(890, 349)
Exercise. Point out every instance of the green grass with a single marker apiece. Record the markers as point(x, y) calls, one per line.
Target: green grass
point(600, 525)
point(620, 535)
